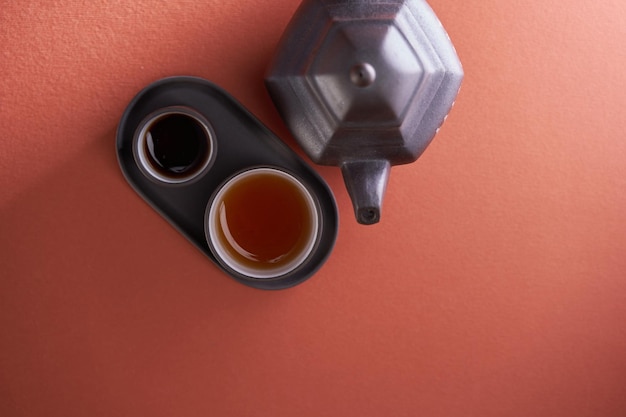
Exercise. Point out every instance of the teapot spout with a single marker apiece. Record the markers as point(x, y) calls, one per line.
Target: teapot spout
point(366, 182)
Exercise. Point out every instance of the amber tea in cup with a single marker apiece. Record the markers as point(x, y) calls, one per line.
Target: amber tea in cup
point(262, 223)
point(174, 145)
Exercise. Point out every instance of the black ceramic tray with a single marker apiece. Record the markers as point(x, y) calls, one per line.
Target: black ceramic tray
point(242, 141)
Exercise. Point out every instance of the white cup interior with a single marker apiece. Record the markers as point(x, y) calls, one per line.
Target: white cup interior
point(213, 226)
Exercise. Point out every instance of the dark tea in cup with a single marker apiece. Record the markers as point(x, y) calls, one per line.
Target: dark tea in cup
point(174, 145)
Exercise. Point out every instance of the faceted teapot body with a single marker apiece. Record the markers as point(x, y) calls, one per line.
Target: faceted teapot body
point(364, 85)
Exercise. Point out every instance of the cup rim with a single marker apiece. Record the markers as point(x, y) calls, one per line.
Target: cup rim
point(142, 160)
point(221, 254)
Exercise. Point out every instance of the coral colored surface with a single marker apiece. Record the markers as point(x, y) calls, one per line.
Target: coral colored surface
point(494, 286)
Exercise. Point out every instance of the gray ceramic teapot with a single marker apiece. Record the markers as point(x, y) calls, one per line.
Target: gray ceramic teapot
point(364, 84)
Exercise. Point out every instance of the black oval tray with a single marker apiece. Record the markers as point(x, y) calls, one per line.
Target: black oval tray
point(242, 141)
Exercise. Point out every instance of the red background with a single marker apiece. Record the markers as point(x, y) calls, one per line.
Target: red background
point(495, 284)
